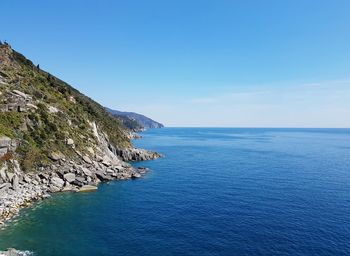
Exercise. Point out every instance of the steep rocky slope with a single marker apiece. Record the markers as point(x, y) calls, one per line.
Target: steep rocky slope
point(53, 138)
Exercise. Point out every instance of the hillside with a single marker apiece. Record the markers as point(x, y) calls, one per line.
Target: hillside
point(49, 112)
point(143, 121)
point(53, 138)
point(129, 123)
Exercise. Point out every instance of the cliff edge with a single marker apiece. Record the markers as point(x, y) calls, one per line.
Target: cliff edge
point(53, 138)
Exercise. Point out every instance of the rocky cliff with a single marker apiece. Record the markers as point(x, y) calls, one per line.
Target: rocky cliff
point(53, 138)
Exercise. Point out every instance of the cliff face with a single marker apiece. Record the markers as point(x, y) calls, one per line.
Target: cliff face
point(53, 138)
point(44, 115)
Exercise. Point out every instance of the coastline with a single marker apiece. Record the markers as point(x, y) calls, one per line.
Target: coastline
point(19, 190)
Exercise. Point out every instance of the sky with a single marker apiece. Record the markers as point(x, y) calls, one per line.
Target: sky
point(214, 63)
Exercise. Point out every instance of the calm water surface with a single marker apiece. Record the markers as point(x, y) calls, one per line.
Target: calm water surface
point(217, 192)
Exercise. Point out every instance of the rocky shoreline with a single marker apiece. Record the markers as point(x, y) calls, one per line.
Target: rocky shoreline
point(19, 189)
point(14, 252)
point(55, 139)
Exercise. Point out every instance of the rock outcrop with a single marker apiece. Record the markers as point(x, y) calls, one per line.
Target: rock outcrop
point(105, 163)
point(55, 139)
point(14, 252)
point(7, 145)
point(136, 154)
point(18, 190)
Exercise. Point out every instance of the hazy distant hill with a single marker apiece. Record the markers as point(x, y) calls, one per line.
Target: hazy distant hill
point(143, 121)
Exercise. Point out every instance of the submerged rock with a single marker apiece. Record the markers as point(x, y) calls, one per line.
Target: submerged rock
point(135, 175)
point(87, 188)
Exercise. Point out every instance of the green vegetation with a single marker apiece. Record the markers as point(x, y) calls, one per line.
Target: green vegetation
point(129, 123)
point(10, 122)
point(42, 131)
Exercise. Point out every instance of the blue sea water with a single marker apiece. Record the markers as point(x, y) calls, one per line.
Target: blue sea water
point(216, 192)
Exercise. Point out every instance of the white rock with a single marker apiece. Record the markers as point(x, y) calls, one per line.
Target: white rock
point(15, 182)
point(56, 156)
point(136, 175)
point(70, 188)
point(27, 179)
point(53, 109)
point(3, 175)
point(91, 151)
point(31, 106)
point(16, 166)
point(86, 171)
point(57, 182)
point(5, 141)
point(22, 94)
point(70, 177)
point(70, 142)
point(106, 161)
point(10, 176)
point(87, 159)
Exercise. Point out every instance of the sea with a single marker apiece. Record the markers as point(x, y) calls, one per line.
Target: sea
point(216, 192)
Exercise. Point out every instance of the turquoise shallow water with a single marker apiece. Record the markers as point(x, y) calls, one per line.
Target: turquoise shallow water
point(217, 192)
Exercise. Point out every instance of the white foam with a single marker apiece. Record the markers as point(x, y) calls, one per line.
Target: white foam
point(25, 253)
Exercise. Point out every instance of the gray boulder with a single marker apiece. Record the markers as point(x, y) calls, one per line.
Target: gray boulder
point(5, 186)
point(70, 177)
point(15, 182)
point(87, 159)
point(106, 161)
point(10, 176)
point(79, 181)
point(3, 175)
point(5, 142)
point(70, 188)
point(27, 179)
point(86, 171)
point(56, 156)
point(57, 182)
point(54, 189)
point(135, 175)
point(102, 177)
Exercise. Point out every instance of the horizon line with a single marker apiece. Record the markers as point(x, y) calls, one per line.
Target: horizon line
point(256, 127)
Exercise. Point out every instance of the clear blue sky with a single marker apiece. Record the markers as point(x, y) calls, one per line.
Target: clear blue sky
point(196, 63)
